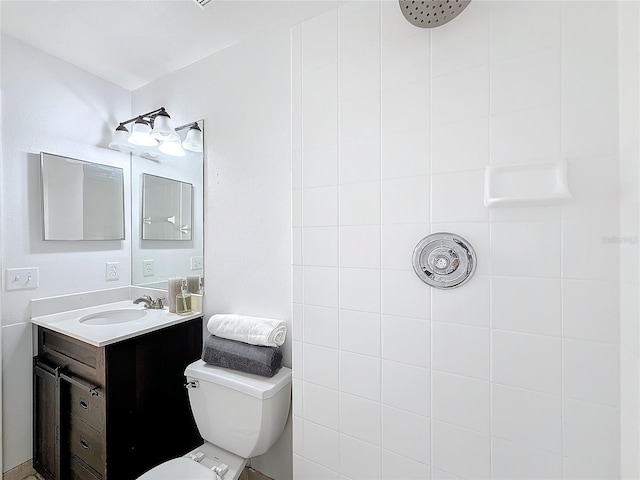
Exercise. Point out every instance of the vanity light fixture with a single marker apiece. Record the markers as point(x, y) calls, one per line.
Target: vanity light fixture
point(163, 128)
point(141, 133)
point(150, 130)
point(193, 141)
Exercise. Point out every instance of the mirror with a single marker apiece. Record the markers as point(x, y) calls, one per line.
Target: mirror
point(160, 187)
point(81, 200)
point(166, 208)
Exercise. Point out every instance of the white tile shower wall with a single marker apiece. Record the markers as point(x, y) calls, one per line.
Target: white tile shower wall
point(514, 375)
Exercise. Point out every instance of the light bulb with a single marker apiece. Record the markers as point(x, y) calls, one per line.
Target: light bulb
point(140, 134)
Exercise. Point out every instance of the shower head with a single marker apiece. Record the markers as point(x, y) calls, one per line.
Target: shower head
point(431, 13)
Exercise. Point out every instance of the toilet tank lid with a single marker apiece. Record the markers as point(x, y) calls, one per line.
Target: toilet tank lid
point(254, 385)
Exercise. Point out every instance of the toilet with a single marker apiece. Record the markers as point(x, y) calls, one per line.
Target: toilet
point(238, 414)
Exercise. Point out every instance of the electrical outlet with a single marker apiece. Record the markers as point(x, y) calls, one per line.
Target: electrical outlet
point(21, 278)
point(147, 268)
point(197, 263)
point(111, 271)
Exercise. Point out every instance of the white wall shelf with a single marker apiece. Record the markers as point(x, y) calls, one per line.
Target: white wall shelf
point(526, 184)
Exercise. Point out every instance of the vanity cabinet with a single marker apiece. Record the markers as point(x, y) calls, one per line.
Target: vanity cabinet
point(113, 412)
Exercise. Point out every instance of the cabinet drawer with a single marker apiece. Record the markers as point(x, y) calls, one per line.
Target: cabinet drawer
point(69, 347)
point(87, 444)
point(78, 471)
point(86, 407)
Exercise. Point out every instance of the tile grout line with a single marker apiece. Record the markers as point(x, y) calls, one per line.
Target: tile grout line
point(380, 279)
point(302, 222)
point(338, 225)
point(489, 265)
point(430, 135)
point(562, 253)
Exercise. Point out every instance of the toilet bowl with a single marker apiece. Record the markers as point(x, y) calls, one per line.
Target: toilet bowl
point(239, 415)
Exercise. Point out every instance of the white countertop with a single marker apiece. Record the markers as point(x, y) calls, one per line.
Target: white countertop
point(68, 323)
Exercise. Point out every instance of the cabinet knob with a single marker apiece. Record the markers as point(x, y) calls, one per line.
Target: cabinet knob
point(84, 404)
point(84, 444)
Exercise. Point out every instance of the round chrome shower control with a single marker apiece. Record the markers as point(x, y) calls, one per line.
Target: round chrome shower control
point(444, 260)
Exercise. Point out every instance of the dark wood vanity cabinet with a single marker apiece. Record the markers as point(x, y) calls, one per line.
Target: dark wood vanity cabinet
point(113, 412)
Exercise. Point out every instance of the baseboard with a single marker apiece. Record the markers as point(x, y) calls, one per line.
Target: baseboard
point(21, 471)
point(253, 474)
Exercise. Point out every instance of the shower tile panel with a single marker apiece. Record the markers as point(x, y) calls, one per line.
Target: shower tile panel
point(414, 349)
point(461, 401)
point(360, 418)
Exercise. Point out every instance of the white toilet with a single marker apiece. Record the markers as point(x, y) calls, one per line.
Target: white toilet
point(238, 414)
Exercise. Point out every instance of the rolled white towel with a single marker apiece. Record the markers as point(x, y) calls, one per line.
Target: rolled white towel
point(268, 332)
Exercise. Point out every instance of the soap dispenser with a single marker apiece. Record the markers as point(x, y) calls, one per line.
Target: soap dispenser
point(183, 300)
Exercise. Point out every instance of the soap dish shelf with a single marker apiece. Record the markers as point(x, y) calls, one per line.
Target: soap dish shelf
point(526, 184)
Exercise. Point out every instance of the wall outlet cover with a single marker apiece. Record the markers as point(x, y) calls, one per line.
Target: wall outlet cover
point(197, 263)
point(112, 271)
point(147, 268)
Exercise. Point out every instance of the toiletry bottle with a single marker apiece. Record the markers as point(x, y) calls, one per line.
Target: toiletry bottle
point(183, 300)
point(193, 284)
point(174, 288)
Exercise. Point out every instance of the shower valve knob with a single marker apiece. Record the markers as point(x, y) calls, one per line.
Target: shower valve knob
point(444, 260)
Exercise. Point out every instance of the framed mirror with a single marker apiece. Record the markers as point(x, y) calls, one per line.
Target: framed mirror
point(160, 188)
point(166, 208)
point(81, 200)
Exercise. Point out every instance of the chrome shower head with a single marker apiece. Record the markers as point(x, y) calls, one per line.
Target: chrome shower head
point(432, 13)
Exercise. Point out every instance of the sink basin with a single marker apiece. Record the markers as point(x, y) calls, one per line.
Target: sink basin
point(111, 317)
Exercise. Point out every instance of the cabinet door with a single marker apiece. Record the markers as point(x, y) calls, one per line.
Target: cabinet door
point(149, 418)
point(46, 421)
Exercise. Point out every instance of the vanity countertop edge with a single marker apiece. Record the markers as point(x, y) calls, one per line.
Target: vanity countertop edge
point(67, 323)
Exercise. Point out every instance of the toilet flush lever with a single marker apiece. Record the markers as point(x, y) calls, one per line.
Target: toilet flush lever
point(193, 384)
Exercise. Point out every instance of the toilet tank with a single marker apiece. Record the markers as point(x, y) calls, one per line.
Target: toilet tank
point(240, 412)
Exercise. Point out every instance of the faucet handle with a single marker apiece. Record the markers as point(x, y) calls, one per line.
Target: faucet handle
point(158, 303)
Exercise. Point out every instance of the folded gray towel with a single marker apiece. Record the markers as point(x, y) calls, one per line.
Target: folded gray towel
point(256, 359)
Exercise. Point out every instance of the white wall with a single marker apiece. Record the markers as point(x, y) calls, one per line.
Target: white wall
point(47, 105)
point(629, 79)
point(243, 95)
point(515, 374)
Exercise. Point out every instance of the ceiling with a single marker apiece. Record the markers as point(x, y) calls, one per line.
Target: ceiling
point(134, 42)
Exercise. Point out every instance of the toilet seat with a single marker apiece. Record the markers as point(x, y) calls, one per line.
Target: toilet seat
point(184, 468)
point(179, 468)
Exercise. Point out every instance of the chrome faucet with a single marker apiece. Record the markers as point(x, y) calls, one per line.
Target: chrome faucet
point(149, 302)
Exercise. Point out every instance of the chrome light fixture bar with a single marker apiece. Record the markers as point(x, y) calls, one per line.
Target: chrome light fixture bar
point(151, 132)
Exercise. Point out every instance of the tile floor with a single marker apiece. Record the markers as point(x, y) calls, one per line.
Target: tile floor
point(247, 474)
